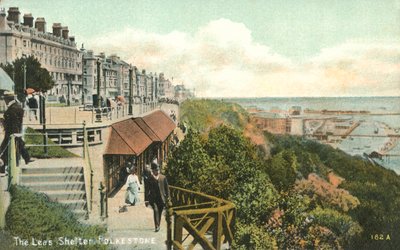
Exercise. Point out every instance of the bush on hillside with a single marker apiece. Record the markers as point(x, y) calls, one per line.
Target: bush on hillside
point(201, 115)
point(31, 214)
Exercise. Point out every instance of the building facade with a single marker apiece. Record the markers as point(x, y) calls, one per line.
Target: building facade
point(273, 122)
point(75, 70)
point(166, 89)
point(114, 79)
point(55, 51)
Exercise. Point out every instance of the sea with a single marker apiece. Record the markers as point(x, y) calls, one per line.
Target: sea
point(385, 111)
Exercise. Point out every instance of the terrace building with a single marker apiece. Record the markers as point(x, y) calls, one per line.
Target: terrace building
point(55, 51)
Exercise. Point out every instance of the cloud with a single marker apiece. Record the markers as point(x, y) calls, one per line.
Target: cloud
point(222, 60)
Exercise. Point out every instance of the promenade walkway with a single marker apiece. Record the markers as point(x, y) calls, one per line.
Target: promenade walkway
point(134, 228)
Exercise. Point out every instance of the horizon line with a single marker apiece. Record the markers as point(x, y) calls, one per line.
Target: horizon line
point(237, 97)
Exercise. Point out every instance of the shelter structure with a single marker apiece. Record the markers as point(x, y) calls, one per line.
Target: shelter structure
point(138, 140)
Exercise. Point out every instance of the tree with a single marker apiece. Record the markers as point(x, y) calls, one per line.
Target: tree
point(37, 77)
point(282, 168)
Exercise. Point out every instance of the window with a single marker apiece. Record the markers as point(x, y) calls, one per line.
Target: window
point(24, 43)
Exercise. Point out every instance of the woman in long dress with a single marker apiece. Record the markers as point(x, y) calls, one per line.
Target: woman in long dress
point(132, 192)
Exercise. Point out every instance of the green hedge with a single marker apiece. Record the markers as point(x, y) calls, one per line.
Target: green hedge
point(32, 215)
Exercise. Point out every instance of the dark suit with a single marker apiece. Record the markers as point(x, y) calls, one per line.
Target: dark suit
point(157, 194)
point(12, 124)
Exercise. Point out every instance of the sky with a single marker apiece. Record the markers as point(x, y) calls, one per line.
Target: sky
point(237, 48)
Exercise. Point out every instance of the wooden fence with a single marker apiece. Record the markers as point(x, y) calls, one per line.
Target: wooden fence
point(199, 219)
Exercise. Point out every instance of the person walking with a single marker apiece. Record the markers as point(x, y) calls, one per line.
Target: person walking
point(12, 123)
point(157, 193)
point(33, 104)
point(132, 192)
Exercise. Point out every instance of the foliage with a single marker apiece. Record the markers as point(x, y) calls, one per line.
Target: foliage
point(35, 138)
point(297, 224)
point(201, 115)
point(326, 194)
point(31, 214)
point(282, 168)
point(250, 236)
point(376, 188)
point(224, 159)
point(343, 226)
point(37, 77)
point(309, 213)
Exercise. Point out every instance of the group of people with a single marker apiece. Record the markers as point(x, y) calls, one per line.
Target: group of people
point(173, 115)
point(156, 190)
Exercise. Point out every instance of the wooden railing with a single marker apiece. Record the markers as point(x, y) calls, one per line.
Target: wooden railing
point(88, 170)
point(14, 171)
point(198, 219)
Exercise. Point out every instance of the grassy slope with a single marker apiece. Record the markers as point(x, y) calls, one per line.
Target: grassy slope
point(36, 138)
point(202, 115)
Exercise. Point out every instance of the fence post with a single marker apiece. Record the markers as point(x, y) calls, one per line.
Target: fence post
point(168, 218)
point(12, 161)
point(217, 233)
point(46, 138)
point(103, 212)
point(88, 164)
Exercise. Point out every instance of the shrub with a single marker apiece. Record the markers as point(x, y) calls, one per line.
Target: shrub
point(31, 214)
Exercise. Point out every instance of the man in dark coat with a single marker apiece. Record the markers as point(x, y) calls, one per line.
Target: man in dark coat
point(12, 124)
point(33, 107)
point(157, 193)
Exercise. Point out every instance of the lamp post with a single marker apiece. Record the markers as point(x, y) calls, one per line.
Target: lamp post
point(69, 89)
point(83, 80)
point(24, 68)
point(130, 91)
point(98, 83)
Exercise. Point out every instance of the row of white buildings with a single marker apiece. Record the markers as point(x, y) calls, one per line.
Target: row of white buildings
point(77, 69)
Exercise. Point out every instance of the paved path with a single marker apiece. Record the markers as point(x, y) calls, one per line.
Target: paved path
point(136, 224)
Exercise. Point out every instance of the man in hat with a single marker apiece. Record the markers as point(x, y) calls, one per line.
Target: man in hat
point(12, 124)
point(157, 193)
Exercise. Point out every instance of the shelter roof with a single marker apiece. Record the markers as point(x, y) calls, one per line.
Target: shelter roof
point(160, 123)
point(127, 138)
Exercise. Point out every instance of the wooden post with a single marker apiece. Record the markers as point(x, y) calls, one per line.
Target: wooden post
point(101, 190)
point(89, 171)
point(12, 161)
point(168, 218)
point(178, 226)
point(217, 233)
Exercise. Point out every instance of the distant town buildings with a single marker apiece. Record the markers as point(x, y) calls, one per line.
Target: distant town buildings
point(274, 123)
point(75, 69)
point(182, 93)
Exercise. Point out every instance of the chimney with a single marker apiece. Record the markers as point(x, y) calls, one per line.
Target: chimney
point(72, 39)
point(57, 29)
point(65, 32)
point(13, 15)
point(40, 24)
point(28, 20)
point(3, 20)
